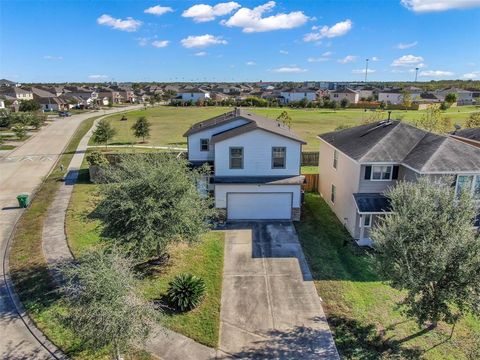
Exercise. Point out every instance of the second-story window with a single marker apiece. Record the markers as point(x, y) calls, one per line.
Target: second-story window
point(204, 144)
point(335, 159)
point(383, 172)
point(278, 157)
point(236, 158)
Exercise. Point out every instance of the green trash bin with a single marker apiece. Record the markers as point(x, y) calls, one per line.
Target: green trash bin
point(23, 200)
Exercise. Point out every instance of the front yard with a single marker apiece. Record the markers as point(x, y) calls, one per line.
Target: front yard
point(361, 309)
point(204, 259)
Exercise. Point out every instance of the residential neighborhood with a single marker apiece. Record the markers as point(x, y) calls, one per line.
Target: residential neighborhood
point(278, 180)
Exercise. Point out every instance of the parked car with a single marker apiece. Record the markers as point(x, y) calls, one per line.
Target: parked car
point(64, 114)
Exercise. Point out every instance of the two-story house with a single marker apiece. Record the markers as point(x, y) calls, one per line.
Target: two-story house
point(193, 95)
point(293, 95)
point(357, 165)
point(256, 164)
point(338, 95)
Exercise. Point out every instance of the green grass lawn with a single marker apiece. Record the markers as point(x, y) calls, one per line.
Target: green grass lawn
point(170, 123)
point(204, 259)
point(7, 147)
point(361, 309)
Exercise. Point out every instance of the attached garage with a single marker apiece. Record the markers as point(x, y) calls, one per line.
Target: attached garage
point(259, 205)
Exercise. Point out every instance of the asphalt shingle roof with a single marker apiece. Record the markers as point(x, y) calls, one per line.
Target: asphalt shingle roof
point(399, 142)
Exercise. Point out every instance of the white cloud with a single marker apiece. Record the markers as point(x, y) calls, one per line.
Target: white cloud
point(203, 13)
point(283, 52)
point(201, 53)
point(51, 57)
point(471, 75)
point(142, 41)
point(375, 58)
point(160, 43)
point(339, 29)
point(325, 57)
point(158, 10)
point(362, 71)
point(97, 77)
point(408, 60)
point(289, 70)
point(435, 73)
point(347, 59)
point(129, 24)
point(403, 46)
point(250, 63)
point(202, 41)
point(423, 6)
point(251, 20)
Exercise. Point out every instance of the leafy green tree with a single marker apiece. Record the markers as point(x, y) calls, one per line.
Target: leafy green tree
point(450, 98)
point(141, 128)
point(151, 200)
point(20, 131)
point(427, 247)
point(334, 105)
point(29, 105)
point(103, 132)
point(432, 120)
point(105, 307)
point(285, 118)
point(406, 99)
point(344, 103)
point(473, 120)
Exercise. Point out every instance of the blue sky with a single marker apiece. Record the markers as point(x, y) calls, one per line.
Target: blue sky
point(58, 41)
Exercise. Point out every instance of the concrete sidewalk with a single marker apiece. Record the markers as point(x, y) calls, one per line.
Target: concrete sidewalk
point(270, 307)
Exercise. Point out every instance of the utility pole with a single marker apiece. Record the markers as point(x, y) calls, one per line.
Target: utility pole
point(366, 70)
point(416, 73)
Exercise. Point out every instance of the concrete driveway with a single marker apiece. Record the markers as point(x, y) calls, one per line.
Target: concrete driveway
point(270, 308)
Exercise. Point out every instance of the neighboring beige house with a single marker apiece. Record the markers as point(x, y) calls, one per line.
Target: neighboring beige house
point(358, 164)
point(351, 95)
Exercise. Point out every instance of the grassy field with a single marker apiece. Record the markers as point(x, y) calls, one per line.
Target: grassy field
point(170, 123)
point(204, 259)
point(361, 309)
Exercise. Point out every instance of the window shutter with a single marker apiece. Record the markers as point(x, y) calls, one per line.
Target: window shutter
point(368, 172)
point(395, 172)
point(454, 183)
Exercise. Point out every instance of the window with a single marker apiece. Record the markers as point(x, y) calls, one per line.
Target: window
point(278, 157)
point(335, 159)
point(236, 158)
point(383, 172)
point(367, 220)
point(333, 194)
point(469, 183)
point(204, 144)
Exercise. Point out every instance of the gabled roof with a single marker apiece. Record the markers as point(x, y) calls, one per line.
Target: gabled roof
point(472, 134)
point(254, 122)
point(345, 91)
point(398, 142)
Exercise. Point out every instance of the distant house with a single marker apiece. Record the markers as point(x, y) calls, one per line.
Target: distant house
point(469, 136)
point(338, 95)
point(428, 97)
point(359, 164)
point(464, 97)
point(367, 92)
point(6, 83)
point(293, 95)
point(193, 95)
point(52, 103)
point(18, 93)
point(391, 96)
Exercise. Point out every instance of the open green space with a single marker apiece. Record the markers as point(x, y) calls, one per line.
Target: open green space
point(168, 124)
point(361, 309)
point(204, 259)
point(7, 147)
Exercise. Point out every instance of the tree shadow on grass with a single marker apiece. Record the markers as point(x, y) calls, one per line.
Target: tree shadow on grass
point(359, 341)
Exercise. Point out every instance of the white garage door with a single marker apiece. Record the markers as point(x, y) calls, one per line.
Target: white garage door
point(258, 206)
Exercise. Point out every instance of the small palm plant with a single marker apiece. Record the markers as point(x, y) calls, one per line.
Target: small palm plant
point(186, 291)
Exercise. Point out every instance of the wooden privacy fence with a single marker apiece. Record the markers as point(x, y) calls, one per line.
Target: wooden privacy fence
point(311, 182)
point(310, 158)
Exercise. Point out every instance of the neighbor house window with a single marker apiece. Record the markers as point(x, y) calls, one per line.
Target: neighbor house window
point(335, 159)
point(383, 172)
point(470, 184)
point(367, 220)
point(278, 157)
point(204, 144)
point(333, 194)
point(236, 158)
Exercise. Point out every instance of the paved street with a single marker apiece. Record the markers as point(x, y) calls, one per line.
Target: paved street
point(270, 308)
point(22, 171)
